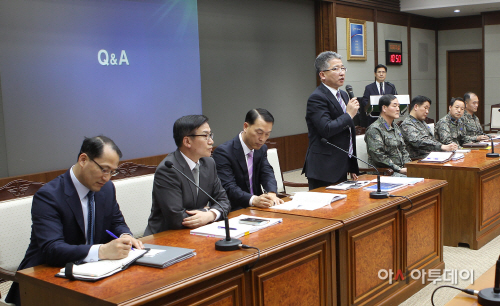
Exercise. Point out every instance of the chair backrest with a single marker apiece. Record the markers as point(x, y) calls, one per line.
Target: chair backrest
point(15, 217)
point(134, 195)
point(361, 151)
point(272, 157)
point(495, 118)
point(431, 126)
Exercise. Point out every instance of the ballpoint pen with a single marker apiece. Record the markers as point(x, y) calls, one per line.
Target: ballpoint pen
point(114, 236)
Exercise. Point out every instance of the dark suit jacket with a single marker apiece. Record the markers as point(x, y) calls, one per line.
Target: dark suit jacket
point(173, 194)
point(58, 230)
point(233, 172)
point(326, 119)
point(372, 90)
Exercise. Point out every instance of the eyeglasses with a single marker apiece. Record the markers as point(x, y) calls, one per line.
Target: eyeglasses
point(106, 171)
point(207, 136)
point(337, 69)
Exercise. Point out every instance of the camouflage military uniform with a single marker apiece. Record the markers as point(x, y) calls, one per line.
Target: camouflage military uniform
point(418, 138)
point(448, 130)
point(385, 146)
point(472, 125)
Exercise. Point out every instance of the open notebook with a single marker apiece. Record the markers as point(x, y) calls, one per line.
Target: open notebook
point(92, 271)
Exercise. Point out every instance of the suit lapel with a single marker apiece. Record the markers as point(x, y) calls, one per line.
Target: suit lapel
point(99, 200)
point(332, 98)
point(73, 201)
point(187, 171)
point(240, 156)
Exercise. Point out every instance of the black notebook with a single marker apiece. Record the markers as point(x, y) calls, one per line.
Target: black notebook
point(162, 256)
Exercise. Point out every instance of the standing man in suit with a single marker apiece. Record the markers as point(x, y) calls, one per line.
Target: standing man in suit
point(379, 87)
point(242, 164)
point(177, 203)
point(71, 214)
point(329, 115)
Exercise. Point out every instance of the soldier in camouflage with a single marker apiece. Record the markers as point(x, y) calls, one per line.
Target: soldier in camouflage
point(451, 127)
point(384, 142)
point(417, 134)
point(471, 121)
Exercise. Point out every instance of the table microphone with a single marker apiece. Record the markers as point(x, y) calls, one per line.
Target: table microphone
point(491, 296)
point(374, 194)
point(227, 244)
point(492, 153)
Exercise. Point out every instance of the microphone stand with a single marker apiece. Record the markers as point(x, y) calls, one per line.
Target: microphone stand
point(492, 153)
point(379, 194)
point(491, 296)
point(227, 244)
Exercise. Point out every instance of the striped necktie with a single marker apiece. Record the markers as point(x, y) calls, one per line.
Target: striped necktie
point(250, 169)
point(342, 104)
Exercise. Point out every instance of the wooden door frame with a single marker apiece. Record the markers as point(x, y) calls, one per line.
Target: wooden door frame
point(480, 115)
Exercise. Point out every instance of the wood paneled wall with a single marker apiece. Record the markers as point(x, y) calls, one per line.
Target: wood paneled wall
point(48, 176)
point(291, 151)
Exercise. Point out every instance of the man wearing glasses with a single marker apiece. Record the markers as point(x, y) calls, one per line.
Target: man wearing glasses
point(242, 164)
point(177, 203)
point(71, 214)
point(330, 115)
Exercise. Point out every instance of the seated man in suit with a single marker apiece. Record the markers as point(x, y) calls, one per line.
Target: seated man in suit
point(417, 134)
point(379, 87)
point(451, 127)
point(177, 203)
point(384, 142)
point(471, 121)
point(71, 214)
point(242, 164)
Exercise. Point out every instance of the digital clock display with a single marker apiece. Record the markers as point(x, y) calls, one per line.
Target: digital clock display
point(393, 52)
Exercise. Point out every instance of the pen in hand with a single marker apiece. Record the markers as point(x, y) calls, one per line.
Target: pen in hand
point(114, 236)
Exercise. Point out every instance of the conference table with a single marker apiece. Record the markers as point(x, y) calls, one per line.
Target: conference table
point(330, 256)
point(471, 199)
point(377, 234)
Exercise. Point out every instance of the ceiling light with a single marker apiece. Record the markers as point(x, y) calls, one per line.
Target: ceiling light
point(456, 11)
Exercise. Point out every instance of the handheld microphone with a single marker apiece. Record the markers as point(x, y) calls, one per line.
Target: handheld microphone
point(491, 296)
point(350, 93)
point(492, 153)
point(227, 244)
point(374, 194)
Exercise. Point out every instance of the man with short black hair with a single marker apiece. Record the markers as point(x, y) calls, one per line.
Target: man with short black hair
point(471, 121)
point(242, 164)
point(379, 87)
point(384, 141)
point(417, 134)
point(330, 115)
point(451, 127)
point(177, 203)
point(71, 214)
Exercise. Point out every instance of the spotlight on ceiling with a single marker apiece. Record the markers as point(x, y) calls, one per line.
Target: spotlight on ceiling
point(456, 11)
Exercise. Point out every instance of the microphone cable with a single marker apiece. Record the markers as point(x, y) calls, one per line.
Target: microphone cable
point(403, 209)
point(468, 291)
point(247, 268)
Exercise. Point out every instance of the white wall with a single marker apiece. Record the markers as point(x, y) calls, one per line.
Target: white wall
point(398, 75)
point(423, 66)
point(256, 54)
point(454, 40)
point(359, 73)
point(492, 69)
